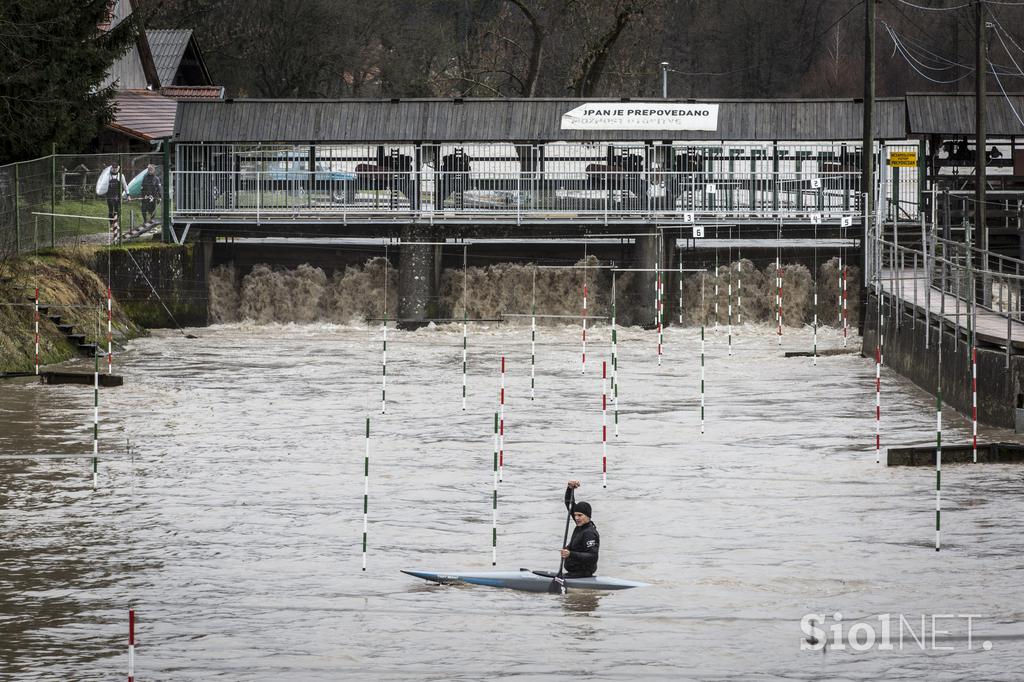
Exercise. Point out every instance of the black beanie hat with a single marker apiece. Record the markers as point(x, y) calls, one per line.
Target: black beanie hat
point(582, 508)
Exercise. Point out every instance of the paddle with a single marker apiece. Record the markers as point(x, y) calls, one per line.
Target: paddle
point(557, 586)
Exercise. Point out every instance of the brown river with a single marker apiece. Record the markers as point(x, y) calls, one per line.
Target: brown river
point(229, 514)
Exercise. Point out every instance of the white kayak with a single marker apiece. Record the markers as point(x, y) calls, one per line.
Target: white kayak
point(523, 579)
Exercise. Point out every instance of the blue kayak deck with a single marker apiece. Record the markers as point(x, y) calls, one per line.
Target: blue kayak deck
point(523, 579)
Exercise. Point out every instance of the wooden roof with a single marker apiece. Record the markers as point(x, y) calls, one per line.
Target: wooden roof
point(516, 120)
point(953, 114)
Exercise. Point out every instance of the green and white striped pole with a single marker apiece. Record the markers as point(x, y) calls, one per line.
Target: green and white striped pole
point(384, 368)
point(938, 449)
point(716, 287)
point(680, 289)
point(384, 349)
point(465, 323)
point(366, 489)
point(938, 466)
point(494, 499)
point(728, 273)
point(96, 417)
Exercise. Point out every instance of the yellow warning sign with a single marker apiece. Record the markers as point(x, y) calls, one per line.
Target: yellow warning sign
point(903, 159)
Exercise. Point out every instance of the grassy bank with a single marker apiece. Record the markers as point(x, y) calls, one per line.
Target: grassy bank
point(71, 290)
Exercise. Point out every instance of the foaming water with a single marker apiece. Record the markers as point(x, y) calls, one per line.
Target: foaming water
point(235, 532)
point(307, 294)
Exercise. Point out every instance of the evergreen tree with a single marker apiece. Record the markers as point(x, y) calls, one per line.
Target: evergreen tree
point(53, 57)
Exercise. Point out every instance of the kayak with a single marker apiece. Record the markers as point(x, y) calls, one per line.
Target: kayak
point(523, 579)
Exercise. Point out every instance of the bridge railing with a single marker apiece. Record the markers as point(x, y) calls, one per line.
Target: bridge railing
point(948, 279)
point(512, 182)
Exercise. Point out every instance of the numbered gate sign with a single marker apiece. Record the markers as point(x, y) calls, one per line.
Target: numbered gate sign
point(709, 188)
point(815, 183)
point(846, 221)
point(687, 217)
point(698, 231)
point(816, 219)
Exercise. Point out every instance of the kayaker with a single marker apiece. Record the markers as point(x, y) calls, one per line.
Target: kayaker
point(581, 553)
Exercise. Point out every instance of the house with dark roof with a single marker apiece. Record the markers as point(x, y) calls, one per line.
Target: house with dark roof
point(164, 66)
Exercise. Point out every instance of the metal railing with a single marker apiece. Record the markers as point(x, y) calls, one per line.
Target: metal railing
point(966, 280)
point(589, 182)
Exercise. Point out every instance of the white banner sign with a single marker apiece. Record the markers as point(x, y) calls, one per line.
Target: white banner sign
point(641, 116)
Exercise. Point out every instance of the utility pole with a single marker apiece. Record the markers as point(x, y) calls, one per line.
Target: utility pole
point(981, 143)
point(664, 80)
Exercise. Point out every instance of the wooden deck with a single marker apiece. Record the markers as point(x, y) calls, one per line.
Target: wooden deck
point(992, 327)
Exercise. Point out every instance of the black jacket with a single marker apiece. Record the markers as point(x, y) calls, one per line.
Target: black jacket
point(151, 186)
point(583, 547)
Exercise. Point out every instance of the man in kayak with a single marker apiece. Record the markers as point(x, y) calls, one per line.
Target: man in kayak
point(581, 553)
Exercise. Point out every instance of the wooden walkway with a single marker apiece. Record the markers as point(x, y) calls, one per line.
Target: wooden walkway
point(911, 287)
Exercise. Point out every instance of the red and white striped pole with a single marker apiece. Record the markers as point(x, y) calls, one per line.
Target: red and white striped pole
point(778, 296)
point(37, 330)
point(131, 645)
point(583, 357)
point(501, 425)
point(110, 334)
point(974, 402)
point(659, 310)
point(604, 423)
point(878, 404)
point(846, 324)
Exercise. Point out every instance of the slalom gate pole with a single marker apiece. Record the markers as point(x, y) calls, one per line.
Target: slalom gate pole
point(384, 367)
point(974, 401)
point(846, 318)
point(680, 287)
point(815, 361)
point(604, 423)
point(131, 645)
point(728, 272)
point(494, 499)
point(778, 296)
point(501, 425)
point(366, 490)
point(878, 404)
point(938, 449)
point(702, 324)
point(37, 330)
point(465, 323)
point(384, 347)
point(615, 362)
point(583, 357)
point(658, 310)
point(110, 333)
point(716, 288)
point(95, 417)
point(533, 336)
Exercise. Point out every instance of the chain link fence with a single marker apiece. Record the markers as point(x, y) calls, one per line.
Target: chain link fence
point(52, 201)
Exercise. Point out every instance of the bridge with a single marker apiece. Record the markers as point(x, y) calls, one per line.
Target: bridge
point(442, 171)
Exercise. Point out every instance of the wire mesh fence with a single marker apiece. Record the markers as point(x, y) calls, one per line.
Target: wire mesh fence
point(52, 201)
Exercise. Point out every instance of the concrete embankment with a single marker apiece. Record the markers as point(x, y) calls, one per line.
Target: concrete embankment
point(1000, 385)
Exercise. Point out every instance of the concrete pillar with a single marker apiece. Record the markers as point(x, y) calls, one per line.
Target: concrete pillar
point(638, 308)
point(417, 292)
